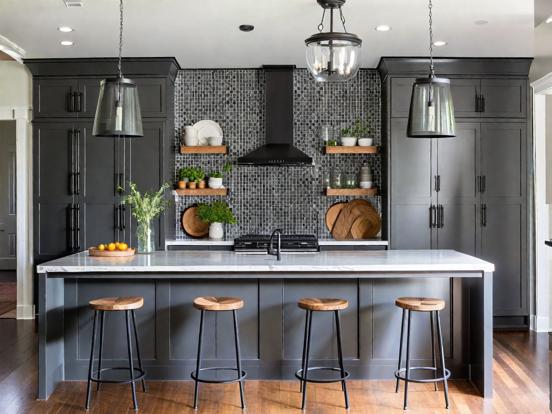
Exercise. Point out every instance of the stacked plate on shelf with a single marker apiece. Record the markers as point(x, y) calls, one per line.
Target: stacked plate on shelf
point(203, 133)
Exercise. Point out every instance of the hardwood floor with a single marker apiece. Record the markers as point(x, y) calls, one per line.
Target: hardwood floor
point(520, 368)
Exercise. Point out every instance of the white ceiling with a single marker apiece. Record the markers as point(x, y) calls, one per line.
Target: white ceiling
point(204, 33)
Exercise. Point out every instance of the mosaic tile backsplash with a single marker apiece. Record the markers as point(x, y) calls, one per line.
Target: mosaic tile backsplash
point(265, 198)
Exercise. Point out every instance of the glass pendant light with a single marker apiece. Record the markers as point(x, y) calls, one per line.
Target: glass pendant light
point(431, 108)
point(333, 56)
point(118, 110)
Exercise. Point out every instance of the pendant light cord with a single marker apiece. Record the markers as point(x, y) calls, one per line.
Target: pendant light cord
point(431, 67)
point(119, 65)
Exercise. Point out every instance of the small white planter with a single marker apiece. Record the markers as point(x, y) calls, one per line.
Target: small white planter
point(215, 182)
point(216, 231)
point(348, 141)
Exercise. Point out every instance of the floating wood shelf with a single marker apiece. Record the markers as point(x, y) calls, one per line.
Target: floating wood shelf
point(188, 192)
point(204, 149)
point(356, 192)
point(340, 149)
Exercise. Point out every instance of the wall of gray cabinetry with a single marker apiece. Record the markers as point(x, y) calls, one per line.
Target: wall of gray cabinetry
point(470, 193)
point(77, 176)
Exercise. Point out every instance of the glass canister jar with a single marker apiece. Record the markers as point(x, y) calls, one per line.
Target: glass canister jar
point(337, 179)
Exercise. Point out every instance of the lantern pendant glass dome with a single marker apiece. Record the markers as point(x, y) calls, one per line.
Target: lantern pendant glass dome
point(118, 111)
point(431, 108)
point(333, 56)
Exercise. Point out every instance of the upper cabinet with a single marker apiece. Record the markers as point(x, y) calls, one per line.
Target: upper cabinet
point(472, 97)
point(55, 98)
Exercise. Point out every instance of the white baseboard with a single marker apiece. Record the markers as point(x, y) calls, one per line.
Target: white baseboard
point(25, 311)
point(539, 324)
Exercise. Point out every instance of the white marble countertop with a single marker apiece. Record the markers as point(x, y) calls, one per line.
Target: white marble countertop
point(229, 262)
point(321, 242)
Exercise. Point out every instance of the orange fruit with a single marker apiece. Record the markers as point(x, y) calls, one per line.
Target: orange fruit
point(101, 247)
point(111, 247)
point(123, 246)
point(117, 244)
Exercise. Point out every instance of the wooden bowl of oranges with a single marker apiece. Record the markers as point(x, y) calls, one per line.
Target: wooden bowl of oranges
point(113, 249)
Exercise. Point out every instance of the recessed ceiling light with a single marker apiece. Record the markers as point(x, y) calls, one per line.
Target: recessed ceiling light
point(246, 27)
point(65, 29)
point(383, 28)
point(549, 20)
point(481, 22)
point(439, 43)
point(66, 43)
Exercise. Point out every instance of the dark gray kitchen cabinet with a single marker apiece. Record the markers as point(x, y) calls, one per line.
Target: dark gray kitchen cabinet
point(76, 176)
point(504, 98)
point(401, 91)
point(465, 94)
point(503, 215)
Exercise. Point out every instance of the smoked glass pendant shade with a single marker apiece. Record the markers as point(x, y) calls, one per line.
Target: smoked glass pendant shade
point(118, 111)
point(431, 109)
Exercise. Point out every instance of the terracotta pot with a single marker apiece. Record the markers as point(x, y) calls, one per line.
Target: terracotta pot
point(192, 185)
point(182, 185)
point(201, 184)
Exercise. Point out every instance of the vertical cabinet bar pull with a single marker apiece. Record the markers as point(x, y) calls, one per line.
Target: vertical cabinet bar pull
point(483, 183)
point(77, 160)
point(71, 232)
point(123, 211)
point(484, 211)
point(482, 103)
point(431, 218)
point(476, 102)
point(77, 227)
point(78, 101)
point(438, 182)
point(442, 219)
point(117, 217)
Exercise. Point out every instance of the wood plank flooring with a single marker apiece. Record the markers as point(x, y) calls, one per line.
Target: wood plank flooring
point(520, 368)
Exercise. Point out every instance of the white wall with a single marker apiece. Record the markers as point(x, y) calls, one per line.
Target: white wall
point(15, 85)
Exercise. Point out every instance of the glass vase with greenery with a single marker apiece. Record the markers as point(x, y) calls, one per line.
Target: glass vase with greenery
point(145, 208)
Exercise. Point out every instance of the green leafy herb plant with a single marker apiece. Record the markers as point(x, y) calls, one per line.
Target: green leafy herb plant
point(216, 212)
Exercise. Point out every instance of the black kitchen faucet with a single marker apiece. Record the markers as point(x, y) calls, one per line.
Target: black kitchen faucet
point(278, 245)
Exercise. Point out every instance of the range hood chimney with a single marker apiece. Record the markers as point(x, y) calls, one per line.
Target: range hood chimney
point(278, 149)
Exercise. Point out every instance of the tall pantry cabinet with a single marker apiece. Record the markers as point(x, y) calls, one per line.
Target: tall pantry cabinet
point(78, 177)
point(469, 193)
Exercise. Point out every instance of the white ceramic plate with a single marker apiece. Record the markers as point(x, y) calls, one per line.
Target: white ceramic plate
point(207, 129)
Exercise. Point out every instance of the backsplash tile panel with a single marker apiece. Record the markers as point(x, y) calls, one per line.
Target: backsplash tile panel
point(265, 198)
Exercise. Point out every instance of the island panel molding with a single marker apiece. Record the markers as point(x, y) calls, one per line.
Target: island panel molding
point(265, 198)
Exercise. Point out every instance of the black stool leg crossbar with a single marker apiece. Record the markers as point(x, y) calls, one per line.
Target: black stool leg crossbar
point(241, 374)
point(403, 374)
point(303, 373)
point(135, 374)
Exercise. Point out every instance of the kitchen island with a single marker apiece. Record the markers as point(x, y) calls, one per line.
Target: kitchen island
point(271, 324)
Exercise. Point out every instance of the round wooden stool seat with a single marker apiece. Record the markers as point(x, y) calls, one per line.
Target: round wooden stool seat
point(220, 303)
point(322, 304)
point(421, 304)
point(117, 303)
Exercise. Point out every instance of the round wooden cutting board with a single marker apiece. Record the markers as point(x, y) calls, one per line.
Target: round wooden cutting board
point(93, 251)
point(332, 213)
point(192, 225)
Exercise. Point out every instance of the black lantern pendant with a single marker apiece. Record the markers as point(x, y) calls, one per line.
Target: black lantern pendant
point(333, 56)
point(118, 111)
point(431, 108)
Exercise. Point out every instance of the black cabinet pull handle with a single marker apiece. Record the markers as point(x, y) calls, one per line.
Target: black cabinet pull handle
point(71, 232)
point(484, 210)
point(477, 105)
point(483, 183)
point(438, 183)
point(442, 219)
point(482, 103)
point(77, 227)
point(430, 217)
point(433, 217)
point(123, 211)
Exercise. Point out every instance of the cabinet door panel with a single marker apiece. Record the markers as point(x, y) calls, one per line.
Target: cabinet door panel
point(504, 98)
point(99, 222)
point(53, 235)
point(52, 98)
point(459, 231)
point(410, 226)
point(464, 95)
point(90, 91)
point(401, 92)
point(100, 168)
point(152, 94)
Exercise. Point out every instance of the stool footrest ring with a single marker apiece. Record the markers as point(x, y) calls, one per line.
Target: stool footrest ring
point(94, 377)
point(299, 375)
point(215, 381)
point(401, 373)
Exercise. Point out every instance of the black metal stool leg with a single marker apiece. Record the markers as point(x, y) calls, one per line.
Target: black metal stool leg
point(102, 315)
point(407, 372)
point(306, 363)
point(198, 358)
point(131, 362)
point(400, 348)
point(304, 347)
point(433, 349)
point(89, 384)
point(138, 350)
point(441, 351)
point(238, 357)
point(340, 356)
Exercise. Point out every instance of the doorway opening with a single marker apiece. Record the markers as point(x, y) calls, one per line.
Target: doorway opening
point(8, 220)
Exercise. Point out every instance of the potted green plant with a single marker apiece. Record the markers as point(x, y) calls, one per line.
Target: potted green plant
point(195, 177)
point(216, 214)
point(363, 131)
point(145, 208)
point(215, 178)
point(183, 177)
point(348, 139)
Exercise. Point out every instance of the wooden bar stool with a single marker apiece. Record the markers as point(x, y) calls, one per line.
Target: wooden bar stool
point(219, 304)
point(321, 305)
point(433, 306)
point(116, 304)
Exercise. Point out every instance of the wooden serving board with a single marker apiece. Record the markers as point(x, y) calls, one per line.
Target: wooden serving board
point(192, 225)
point(346, 218)
point(93, 251)
point(358, 220)
point(332, 213)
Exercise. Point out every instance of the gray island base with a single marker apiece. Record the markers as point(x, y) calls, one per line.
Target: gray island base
point(271, 324)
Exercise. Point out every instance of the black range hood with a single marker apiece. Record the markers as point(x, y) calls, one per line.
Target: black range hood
point(278, 149)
